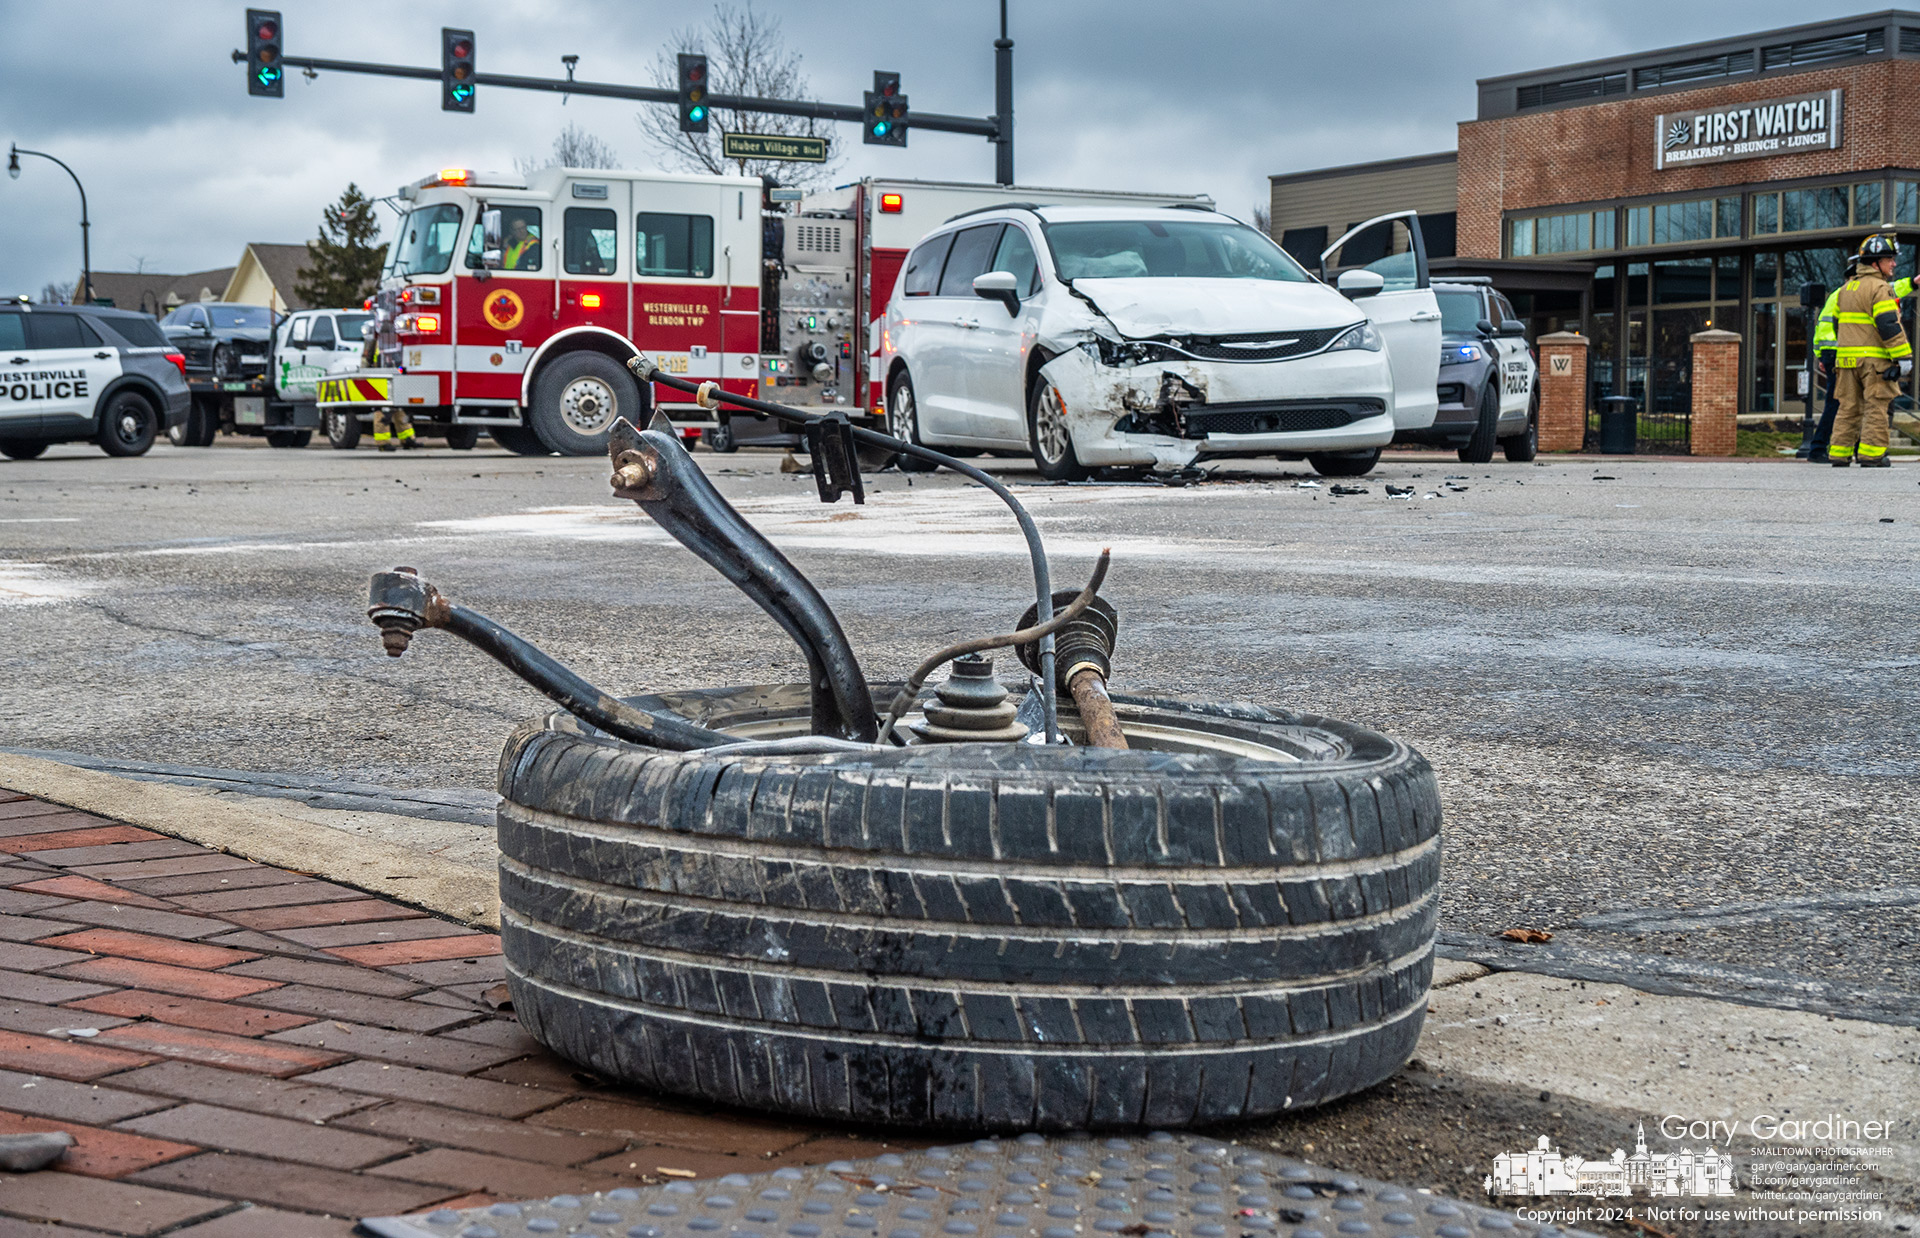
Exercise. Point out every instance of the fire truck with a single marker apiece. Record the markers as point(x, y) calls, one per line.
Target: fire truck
point(514, 302)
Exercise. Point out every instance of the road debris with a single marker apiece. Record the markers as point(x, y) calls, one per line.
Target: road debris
point(1527, 935)
point(1350, 490)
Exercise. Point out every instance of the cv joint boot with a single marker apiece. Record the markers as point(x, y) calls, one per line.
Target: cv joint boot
point(970, 707)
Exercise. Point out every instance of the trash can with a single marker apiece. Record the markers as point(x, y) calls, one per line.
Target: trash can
point(1618, 429)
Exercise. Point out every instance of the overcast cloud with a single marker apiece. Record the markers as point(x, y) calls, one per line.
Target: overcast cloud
point(182, 168)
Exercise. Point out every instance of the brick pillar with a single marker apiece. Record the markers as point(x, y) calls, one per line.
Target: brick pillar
point(1563, 391)
point(1716, 393)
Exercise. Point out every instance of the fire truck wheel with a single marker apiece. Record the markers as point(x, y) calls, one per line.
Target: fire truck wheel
point(903, 422)
point(291, 439)
point(519, 440)
point(343, 430)
point(463, 438)
point(576, 399)
point(1233, 919)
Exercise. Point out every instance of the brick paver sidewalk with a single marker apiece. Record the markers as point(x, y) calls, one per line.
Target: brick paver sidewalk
point(264, 1038)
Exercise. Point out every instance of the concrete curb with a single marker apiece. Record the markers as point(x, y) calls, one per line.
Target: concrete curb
point(258, 830)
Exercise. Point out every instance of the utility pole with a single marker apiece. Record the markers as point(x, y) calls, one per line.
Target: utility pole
point(1003, 103)
point(86, 247)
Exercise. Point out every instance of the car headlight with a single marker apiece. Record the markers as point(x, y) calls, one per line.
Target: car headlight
point(1359, 335)
point(1458, 354)
point(1128, 352)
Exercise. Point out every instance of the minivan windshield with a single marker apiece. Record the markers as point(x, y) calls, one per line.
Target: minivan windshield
point(1167, 249)
point(426, 241)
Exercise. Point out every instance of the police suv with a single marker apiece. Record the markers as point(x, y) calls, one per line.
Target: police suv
point(79, 373)
point(1489, 382)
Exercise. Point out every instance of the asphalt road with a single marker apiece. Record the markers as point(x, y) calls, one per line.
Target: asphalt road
point(1671, 703)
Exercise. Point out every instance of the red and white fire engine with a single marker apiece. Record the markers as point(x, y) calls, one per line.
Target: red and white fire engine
point(514, 303)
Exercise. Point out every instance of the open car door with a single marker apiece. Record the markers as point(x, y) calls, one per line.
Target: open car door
point(1381, 265)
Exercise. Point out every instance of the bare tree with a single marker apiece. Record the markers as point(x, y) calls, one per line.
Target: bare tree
point(1263, 219)
point(574, 148)
point(746, 55)
point(57, 294)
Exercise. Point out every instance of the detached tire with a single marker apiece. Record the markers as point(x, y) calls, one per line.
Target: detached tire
point(983, 936)
point(576, 399)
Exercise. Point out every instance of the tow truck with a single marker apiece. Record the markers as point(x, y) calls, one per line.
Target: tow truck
point(512, 303)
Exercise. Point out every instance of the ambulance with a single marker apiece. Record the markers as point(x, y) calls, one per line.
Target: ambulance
point(512, 303)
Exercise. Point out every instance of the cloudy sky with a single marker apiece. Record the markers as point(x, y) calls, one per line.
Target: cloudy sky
point(182, 167)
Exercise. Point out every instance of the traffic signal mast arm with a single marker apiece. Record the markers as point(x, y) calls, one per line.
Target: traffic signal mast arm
point(978, 126)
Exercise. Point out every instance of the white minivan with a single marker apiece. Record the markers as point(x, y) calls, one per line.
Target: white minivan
point(1148, 337)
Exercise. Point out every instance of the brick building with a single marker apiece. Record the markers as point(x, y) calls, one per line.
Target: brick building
point(1644, 198)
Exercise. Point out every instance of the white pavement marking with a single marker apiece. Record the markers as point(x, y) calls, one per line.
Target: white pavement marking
point(28, 584)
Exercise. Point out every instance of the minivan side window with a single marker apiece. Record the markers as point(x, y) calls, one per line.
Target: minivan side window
point(972, 250)
point(923, 266)
point(1016, 255)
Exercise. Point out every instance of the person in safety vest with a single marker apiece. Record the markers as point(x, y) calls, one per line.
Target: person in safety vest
point(390, 423)
point(520, 239)
point(1870, 355)
point(1824, 335)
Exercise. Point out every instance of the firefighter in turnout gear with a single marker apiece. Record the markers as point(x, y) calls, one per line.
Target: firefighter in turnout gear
point(1870, 355)
point(1825, 338)
point(390, 423)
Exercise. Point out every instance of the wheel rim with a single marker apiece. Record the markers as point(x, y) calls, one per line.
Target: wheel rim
point(222, 363)
point(1050, 438)
point(587, 405)
point(130, 427)
point(900, 415)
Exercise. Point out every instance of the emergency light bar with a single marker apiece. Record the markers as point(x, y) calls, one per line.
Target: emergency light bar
point(464, 178)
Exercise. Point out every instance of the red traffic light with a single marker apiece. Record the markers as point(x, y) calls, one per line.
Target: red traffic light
point(267, 30)
point(696, 73)
point(462, 49)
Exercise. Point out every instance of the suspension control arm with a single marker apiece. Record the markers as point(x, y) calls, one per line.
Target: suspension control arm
point(654, 470)
point(400, 604)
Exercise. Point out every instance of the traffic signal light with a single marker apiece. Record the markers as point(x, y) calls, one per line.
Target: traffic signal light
point(886, 117)
point(456, 70)
point(694, 113)
point(265, 74)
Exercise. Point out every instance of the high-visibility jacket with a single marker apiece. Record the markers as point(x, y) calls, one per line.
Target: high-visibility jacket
point(1867, 321)
point(1825, 330)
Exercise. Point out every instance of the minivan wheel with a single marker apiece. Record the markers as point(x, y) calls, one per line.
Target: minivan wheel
point(1479, 448)
point(903, 421)
point(1050, 437)
point(1344, 464)
point(23, 448)
point(128, 425)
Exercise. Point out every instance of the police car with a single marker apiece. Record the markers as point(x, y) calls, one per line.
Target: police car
point(73, 373)
point(1489, 388)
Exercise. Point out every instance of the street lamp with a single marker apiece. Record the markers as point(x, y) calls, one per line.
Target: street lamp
point(86, 246)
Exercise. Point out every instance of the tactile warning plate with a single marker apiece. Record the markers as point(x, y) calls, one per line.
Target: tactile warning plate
point(1159, 1186)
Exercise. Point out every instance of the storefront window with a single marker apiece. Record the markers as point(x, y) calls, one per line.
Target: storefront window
point(1803, 210)
point(1578, 232)
point(1764, 335)
point(1906, 202)
point(1675, 222)
point(1603, 286)
point(1766, 274)
point(1637, 281)
point(1684, 280)
point(1727, 217)
point(1824, 265)
point(1866, 202)
point(1766, 213)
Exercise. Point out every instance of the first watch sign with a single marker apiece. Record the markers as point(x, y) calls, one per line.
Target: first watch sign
point(1749, 130)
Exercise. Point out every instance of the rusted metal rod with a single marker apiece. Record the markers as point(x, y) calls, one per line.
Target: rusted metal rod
point(1089, 688)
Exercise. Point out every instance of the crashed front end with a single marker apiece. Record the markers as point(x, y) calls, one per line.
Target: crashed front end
point(1167, 401)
